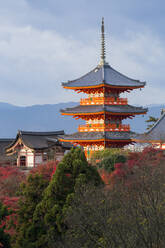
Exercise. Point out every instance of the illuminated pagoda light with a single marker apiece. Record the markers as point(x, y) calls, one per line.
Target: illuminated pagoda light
point(103, 109)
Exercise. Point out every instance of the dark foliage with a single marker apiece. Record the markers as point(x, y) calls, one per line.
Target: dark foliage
point(4, 237)
point(41, 215)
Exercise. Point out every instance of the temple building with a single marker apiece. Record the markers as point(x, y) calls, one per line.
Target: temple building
point(155, 136)
point(103, 109)
point(34, 148)
point(4, 159)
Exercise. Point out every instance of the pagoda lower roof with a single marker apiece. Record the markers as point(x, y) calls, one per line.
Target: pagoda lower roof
point(97, 136)
point(94, 109)
point(103, 75)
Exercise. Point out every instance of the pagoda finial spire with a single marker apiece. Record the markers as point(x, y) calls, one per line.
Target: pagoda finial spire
point(102, 62)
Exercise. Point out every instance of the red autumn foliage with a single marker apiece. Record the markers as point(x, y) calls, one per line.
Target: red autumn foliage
point(46, 170)
point(148, 157)
point(149, 154)
point(10, 179)
point(105, 176)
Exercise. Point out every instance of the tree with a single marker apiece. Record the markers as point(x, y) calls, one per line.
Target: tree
point(10, 179)
point(130, 214)
point(151, 120)
point(4, 237)
point(30, 195)
point(47, 223)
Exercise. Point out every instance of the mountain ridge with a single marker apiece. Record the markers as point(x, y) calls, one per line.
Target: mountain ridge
point(47, 117)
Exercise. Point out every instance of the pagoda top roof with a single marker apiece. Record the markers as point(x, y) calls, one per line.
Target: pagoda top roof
point(105, 75)
point(156, 133)
point(104, 108)
point(83, 136)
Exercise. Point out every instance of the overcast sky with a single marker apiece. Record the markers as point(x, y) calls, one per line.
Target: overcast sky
point(46, 42)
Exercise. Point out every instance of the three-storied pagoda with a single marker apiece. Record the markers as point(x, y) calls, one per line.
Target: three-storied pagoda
point(104, 109)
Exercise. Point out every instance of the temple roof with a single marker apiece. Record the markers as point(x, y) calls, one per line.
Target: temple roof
point(83, 136)
point(39, 140)
point(101, 108)
point(3, 144)
point(104, 74)
point(156, 133)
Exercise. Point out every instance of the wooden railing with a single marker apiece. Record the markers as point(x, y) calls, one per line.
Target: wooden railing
point(102, 100)
point(103, 127)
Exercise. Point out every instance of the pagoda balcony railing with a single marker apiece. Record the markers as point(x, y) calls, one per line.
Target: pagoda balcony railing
point(103, 100)
point(104, 127)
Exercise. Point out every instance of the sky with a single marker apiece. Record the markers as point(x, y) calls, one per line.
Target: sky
point(44, 43)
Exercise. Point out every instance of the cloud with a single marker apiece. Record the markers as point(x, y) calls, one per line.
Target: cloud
point(141, 56)
point(34, 62)
point(36, 53)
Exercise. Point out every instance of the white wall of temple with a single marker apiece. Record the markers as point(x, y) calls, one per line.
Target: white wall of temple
point(30, 160)
point(28, 153)
point(38, 159)
point(163, 146)
point(159, 146)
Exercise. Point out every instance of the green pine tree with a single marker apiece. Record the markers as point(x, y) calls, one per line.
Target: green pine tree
point(30, 195)
point(151, 120)
point(4, 237)
point(47, 224)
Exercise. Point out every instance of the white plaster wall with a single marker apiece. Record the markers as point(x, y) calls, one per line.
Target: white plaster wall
point(30, 160)
point(163, 146)
point(29, 156)
point(38, 159)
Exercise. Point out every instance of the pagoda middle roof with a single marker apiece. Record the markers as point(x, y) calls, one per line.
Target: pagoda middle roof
point(80, 109)
point(103, 74)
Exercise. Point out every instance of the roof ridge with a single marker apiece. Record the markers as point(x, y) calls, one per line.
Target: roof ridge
point(40, 133)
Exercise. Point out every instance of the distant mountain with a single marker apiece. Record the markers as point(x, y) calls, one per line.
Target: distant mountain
point(48, 118)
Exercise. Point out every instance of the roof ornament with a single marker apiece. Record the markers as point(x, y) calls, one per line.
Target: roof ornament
point(102, 61)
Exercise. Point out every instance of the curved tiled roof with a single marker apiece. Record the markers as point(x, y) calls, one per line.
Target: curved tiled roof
point(157, 132)
point(100, 108)
point(98, 136)
point(38, 140)
point(104, 74)
point(3, 144)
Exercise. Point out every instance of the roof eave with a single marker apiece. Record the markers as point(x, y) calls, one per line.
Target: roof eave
point(102, 84)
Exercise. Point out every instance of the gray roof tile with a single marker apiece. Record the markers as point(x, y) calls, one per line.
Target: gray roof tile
point(104, 74)
point(157, 132)
point(107, 108)
point(39, 140)
point(98, 135)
